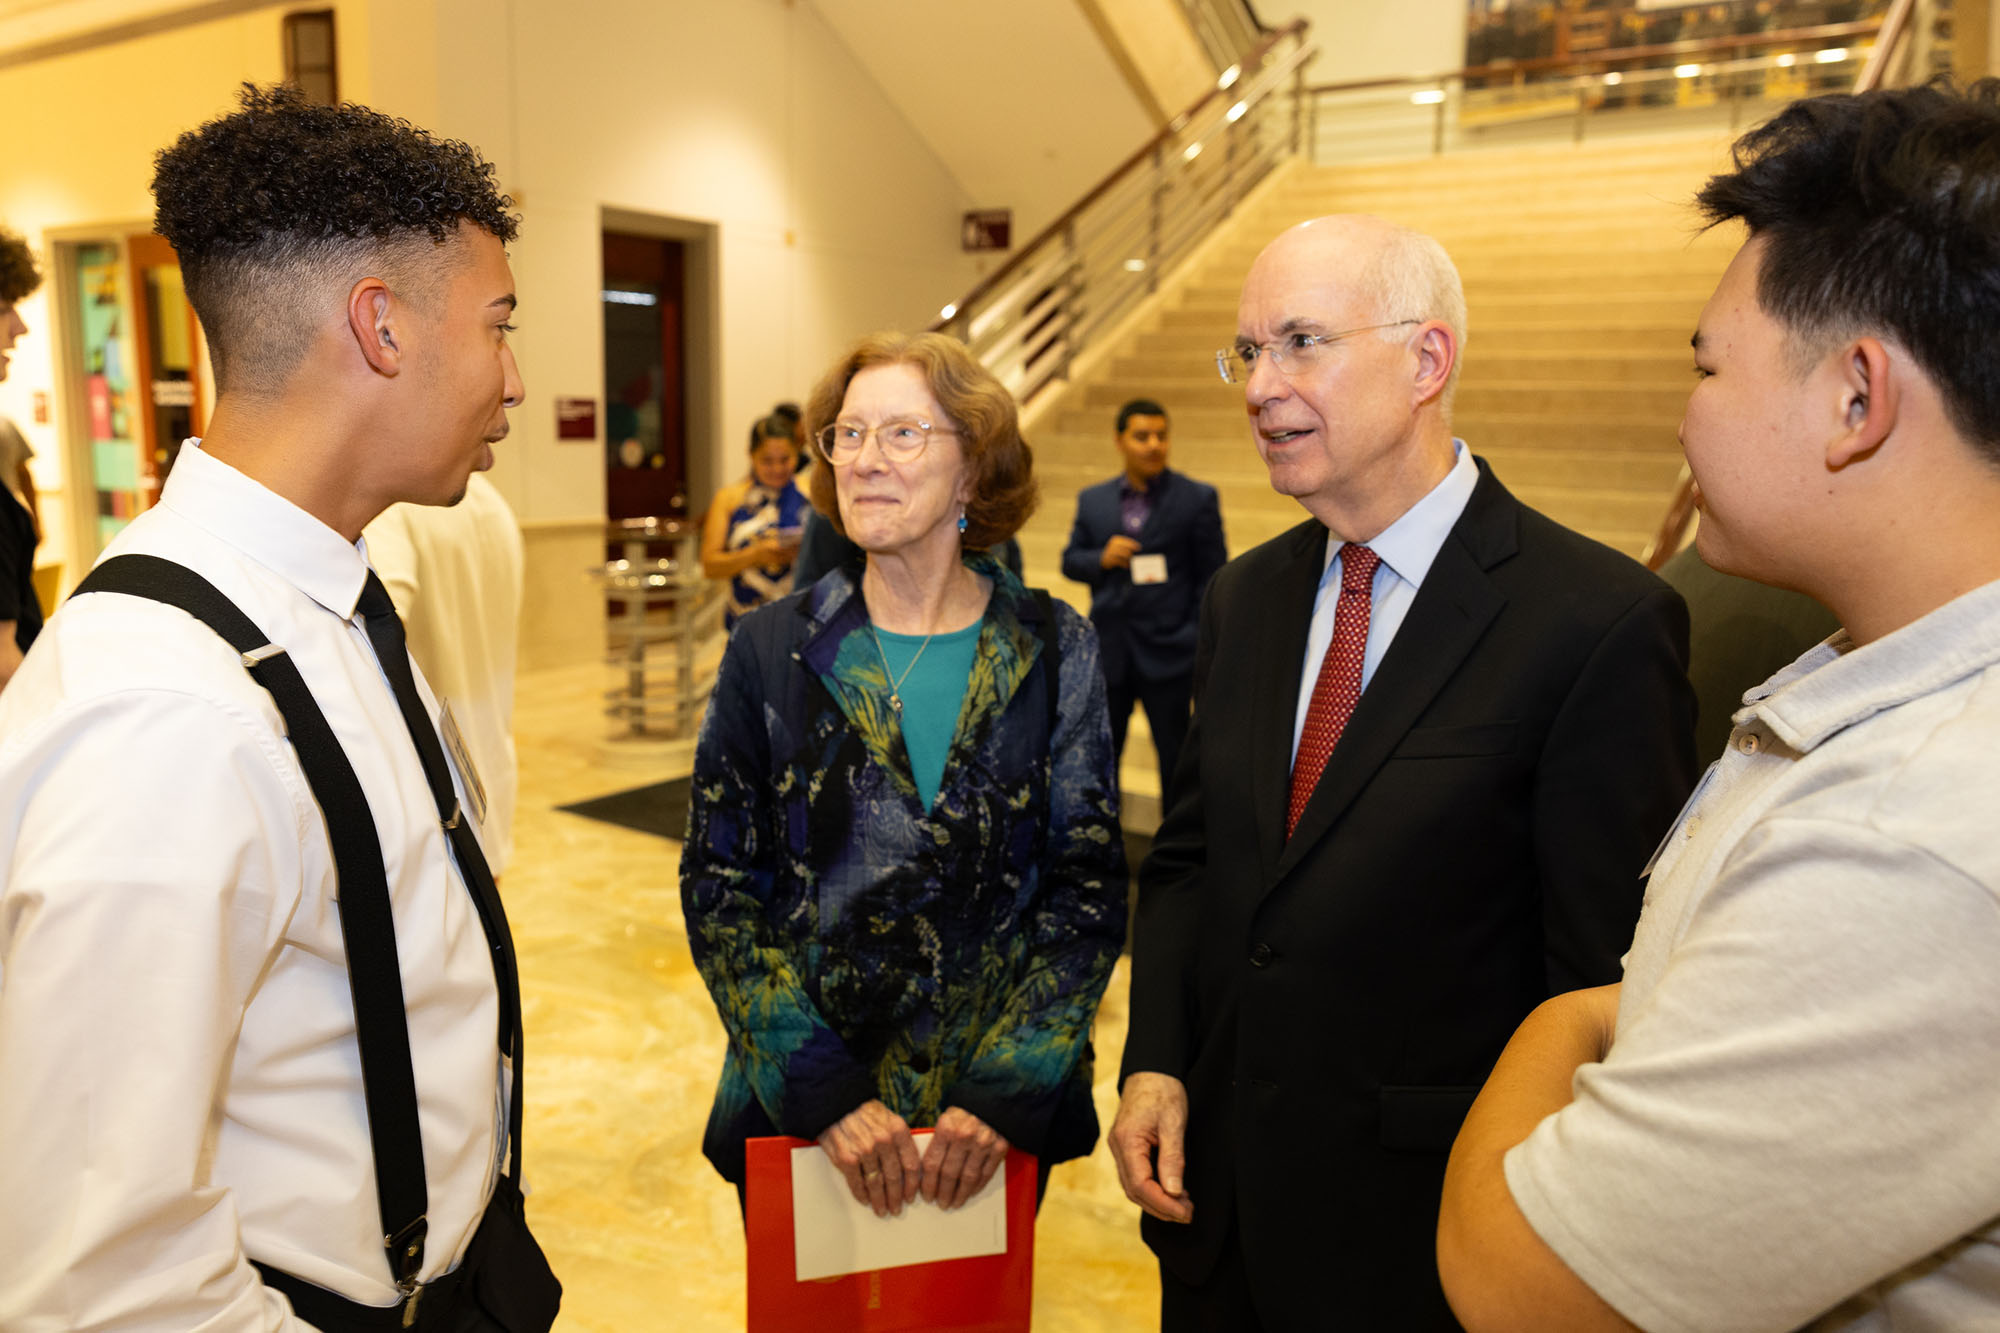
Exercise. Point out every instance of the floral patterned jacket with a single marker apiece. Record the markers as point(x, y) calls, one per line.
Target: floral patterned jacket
point(859, 946)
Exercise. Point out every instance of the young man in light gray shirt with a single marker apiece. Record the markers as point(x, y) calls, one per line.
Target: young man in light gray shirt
point(1784, 1116)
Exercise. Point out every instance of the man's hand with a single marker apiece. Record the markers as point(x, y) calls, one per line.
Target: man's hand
point(964, 1153)
point(1118, 552)
point(873, 1149)
point(1152, 1127)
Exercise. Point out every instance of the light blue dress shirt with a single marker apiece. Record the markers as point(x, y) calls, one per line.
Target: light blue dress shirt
point(1407, 547)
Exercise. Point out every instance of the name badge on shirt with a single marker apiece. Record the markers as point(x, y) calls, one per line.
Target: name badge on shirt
point(461, 759)
point(1149, 568)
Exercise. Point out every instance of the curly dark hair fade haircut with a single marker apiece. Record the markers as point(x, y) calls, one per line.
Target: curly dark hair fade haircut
point(1880, 214)
point(1004, 490)
point(18, 275)
point(269, 205)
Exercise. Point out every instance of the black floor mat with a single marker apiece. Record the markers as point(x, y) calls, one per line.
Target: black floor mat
point(660, 808)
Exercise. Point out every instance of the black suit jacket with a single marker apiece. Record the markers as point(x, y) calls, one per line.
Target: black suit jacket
point(1147, 630)
point(1474, 845)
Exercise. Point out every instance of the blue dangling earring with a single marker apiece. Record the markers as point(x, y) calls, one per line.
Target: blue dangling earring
point(961, 520)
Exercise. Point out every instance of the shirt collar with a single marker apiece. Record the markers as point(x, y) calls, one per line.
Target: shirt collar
point(268, 528)
point(1410, 545)
point(1836, 684)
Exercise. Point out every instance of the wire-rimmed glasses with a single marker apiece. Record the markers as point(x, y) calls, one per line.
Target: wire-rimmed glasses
point(900, 438)
point(1293, 354)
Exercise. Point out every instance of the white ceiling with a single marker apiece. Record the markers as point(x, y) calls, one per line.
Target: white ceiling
point(1018, 98)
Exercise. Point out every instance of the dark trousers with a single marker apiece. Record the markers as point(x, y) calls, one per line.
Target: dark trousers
point(1167, 704)
point(1222, 1304)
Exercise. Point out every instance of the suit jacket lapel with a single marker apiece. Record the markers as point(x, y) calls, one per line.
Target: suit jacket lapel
point(1277, 680)
point(1445, 622)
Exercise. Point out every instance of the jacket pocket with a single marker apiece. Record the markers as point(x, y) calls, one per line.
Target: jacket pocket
point(1457, 742)
point(1423, 1119)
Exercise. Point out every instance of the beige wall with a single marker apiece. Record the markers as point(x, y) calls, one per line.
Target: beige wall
point(831, 216)
point(1156, 46)
point(1377, 41)
point(1038, 109)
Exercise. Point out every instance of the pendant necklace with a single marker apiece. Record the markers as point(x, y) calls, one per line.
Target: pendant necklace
point(896, 682)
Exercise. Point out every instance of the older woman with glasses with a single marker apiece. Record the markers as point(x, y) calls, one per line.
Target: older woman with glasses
point(903, 878)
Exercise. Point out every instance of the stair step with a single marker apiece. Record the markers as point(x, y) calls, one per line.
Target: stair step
point(1585, 269)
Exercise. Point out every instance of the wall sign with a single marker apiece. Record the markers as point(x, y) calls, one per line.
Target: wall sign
point(576, 418)
point(987, 229)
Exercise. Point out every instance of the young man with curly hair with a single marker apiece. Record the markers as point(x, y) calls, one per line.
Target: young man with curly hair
point(20, 612)
point(1783, 1116)
point(189, 991)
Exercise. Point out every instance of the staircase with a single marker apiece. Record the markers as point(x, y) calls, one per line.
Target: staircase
point(1584, 276)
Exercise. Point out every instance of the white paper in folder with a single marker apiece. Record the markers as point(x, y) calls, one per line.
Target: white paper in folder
point(832, 1234)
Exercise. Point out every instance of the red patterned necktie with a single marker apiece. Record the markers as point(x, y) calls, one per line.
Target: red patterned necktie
point(1339, 685)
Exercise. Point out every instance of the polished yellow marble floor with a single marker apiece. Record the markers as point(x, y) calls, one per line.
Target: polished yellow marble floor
point(623, 1049)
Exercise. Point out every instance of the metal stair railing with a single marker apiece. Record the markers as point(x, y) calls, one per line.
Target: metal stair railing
point(1031, 319)
point(1227, 29)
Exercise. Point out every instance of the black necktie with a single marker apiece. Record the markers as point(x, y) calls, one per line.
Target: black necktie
point(385, 631)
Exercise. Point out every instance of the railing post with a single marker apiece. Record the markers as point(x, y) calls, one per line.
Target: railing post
point(1153, 221)
point(1071, 268)
point(1298, 106)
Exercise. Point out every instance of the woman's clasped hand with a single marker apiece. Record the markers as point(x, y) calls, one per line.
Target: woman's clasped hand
point(884, 1168)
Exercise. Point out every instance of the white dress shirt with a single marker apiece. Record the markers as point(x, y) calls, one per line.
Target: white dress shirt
point(1407, 548)
point(179, 1081)
point(454, 572)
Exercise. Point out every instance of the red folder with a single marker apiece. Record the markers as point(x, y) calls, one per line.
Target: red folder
point(986, 1294)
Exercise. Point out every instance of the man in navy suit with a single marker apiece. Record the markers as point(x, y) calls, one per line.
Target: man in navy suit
point(1147, 542)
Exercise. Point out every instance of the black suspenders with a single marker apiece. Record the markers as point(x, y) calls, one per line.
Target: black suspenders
point(366, 926)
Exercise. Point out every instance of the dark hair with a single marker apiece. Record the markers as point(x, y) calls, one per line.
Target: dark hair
point(1139, 407)
point(18, 274)
point(777, 426)
point(269, 204)
point(1003, 488)
point(1880, 213)
point(792, 410)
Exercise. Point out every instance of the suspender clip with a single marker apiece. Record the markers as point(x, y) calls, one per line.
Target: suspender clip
point(453, 820)
point(260, 655)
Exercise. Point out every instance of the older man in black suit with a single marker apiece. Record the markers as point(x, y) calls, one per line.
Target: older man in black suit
point(1436, 735)
point(1147, 542)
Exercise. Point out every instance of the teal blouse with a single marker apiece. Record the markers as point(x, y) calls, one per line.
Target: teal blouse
point(933, 690)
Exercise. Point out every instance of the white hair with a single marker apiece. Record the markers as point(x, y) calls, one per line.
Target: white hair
point(1411, 277)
